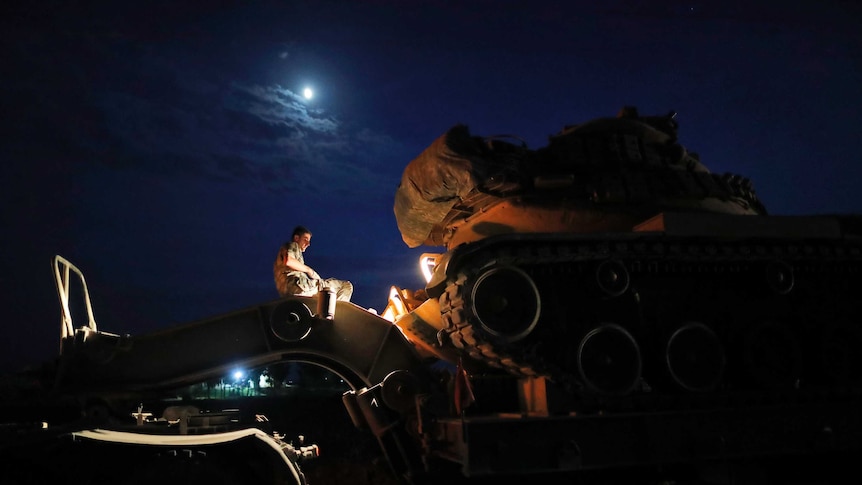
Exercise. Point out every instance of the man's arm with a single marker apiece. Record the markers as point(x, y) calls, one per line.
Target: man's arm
point(295, 265)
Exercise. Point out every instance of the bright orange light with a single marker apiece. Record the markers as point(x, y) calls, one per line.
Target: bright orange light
point(427, 262)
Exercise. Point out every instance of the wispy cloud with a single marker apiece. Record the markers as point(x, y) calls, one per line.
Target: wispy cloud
point(278, 105)
point(264, 136)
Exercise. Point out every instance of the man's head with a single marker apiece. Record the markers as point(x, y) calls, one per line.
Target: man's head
point(302, 237)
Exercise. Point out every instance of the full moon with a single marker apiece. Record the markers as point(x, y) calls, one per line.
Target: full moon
point(308, 93)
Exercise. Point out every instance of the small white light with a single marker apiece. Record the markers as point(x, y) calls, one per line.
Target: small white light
point(308, 93)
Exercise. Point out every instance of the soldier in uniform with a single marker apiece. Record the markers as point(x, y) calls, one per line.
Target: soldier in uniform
point(294, 277)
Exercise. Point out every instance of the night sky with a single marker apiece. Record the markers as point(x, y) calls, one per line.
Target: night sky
point(167, 150)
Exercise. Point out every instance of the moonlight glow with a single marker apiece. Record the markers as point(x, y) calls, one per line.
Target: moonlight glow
point(308, 93)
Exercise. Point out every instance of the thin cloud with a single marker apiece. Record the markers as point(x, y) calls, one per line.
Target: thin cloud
point(262, 137)
point(278, 105)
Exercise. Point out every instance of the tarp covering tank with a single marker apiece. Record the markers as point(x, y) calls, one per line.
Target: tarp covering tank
point(607, 174)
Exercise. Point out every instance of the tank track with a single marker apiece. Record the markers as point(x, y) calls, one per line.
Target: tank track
point(761, 299)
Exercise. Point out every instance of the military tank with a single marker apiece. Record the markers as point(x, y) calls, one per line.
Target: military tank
point(616, 265)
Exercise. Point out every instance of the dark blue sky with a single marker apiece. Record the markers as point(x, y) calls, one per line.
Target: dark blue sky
point(167, 152)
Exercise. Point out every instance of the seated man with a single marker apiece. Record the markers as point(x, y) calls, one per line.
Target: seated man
point(293, 277)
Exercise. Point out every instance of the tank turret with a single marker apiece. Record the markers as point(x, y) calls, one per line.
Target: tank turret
point(604, 175)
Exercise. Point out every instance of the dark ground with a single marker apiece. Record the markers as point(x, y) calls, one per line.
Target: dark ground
point(347, 455)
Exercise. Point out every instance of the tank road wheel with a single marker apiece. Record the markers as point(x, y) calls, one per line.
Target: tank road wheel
point(609, 360)
point(506, 303)
point(695, 357)
point(487, 310)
